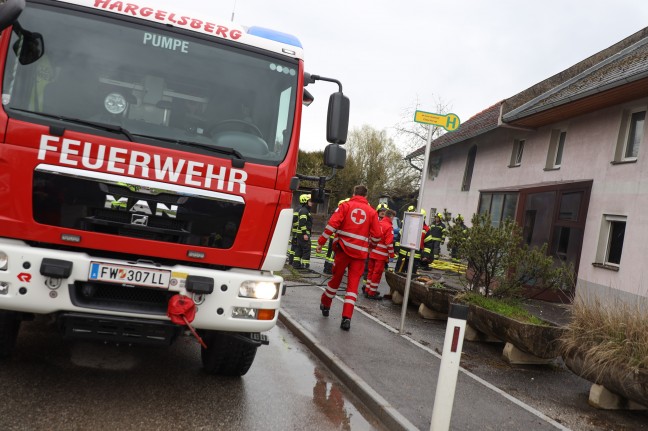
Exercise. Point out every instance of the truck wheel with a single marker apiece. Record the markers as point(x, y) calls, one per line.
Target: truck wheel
point(9, 326)
point(226, 355)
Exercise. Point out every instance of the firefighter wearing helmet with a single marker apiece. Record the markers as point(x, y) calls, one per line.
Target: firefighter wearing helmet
point(304, 226)
point(380, 209)
point(436, 237)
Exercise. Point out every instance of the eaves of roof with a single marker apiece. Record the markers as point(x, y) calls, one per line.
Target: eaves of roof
point(480, 123)
point(622, 68)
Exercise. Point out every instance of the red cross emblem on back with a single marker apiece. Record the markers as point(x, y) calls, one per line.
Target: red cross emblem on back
point(358, 216)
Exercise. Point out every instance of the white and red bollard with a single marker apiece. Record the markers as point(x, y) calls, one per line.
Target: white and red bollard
point(449, 369)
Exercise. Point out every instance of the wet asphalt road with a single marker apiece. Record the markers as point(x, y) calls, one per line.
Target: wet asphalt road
point(551, 389)
point(51, 384)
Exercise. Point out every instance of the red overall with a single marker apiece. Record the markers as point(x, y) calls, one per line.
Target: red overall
point(356, 226)
point(379, 255)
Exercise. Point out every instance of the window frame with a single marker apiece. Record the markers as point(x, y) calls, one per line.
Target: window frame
point(624, 134)
point(501, 204)
point(468, 171)
point(518, 153)
point(605, 241)
point(556, 146)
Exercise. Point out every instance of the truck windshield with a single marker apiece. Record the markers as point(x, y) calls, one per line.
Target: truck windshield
point(153, 82)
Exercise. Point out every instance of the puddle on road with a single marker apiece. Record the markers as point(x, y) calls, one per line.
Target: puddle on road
point(333, 400)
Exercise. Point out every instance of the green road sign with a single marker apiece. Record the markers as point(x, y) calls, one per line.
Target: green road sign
point(449, 122)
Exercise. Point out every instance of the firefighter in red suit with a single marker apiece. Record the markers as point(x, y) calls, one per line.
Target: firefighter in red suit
point(357, 229)
point(379, 255)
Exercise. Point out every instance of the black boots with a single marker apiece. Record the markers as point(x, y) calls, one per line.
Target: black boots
point(346, 324)
point(325, 310)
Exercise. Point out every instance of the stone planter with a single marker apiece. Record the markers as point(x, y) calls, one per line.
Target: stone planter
point(618, 379)
point(434, 298)
point(536, 340)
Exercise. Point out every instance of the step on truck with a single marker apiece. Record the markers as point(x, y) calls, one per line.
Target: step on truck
point(147, 163)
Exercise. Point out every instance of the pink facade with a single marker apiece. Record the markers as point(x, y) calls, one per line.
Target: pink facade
point(590, 144)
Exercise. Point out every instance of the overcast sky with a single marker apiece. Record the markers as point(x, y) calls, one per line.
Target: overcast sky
point(469, 54)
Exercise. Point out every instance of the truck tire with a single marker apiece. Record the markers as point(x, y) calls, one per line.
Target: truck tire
point(227, 355)
point(9, 326)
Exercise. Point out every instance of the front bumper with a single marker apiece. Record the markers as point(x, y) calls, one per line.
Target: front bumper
point(27, 290)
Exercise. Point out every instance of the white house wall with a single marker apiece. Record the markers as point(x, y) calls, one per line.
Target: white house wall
point(620, 189)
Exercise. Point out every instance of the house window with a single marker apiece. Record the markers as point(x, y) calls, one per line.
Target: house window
point(630, 136)
point(611, 240)
point(559, 150)
point(470, 165)
point(635, 134)
point(556, 146)
point(499, 206)
point(518, 150)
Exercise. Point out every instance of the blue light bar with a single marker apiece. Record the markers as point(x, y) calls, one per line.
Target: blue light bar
point(277, 36)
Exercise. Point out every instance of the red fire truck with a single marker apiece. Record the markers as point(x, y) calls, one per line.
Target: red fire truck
point(147, 162)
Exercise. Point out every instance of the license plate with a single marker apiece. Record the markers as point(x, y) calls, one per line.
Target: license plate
point(132, 275)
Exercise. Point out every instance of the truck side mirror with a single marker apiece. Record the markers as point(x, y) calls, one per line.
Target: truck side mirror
point(335, 156)
point(337, 121)
point(9, 12)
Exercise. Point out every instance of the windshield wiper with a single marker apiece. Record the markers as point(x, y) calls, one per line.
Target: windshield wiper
point(97, 125)
point(238, 162)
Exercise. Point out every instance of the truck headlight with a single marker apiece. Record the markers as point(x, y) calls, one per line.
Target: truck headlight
point(259, 289)
point(4, 261)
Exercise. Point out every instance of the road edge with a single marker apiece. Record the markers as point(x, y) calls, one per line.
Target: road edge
point(384, 411)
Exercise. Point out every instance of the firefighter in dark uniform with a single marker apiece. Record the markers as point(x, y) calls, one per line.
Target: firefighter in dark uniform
point(304, 226)
point(438, 234)
point(293, 237)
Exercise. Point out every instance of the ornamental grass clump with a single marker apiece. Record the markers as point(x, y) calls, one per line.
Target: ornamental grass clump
point(611, 335)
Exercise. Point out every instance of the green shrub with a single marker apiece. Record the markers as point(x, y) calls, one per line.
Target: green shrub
point(500, 264)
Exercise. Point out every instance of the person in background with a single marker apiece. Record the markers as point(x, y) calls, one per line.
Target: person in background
point(380, 255)
point(304, 226)
point(356, 224)
point(293, 237)
point(330, 254)
point(380, 209)
point(438, 233)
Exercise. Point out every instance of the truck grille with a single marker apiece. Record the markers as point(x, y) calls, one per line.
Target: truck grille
point(117, 329)
point(95, 205)
point(114, 297)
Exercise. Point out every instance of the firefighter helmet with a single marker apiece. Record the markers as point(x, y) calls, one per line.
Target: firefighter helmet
point(440, 216)
point(304, 198)
point(423, 212)
point(381, 207)
point(410, 208)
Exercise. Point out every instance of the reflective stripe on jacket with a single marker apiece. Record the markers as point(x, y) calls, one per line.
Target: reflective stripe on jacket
point(385, 248)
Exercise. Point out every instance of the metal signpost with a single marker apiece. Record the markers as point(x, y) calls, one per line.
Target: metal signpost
point(413, 221)
point(456, 325)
